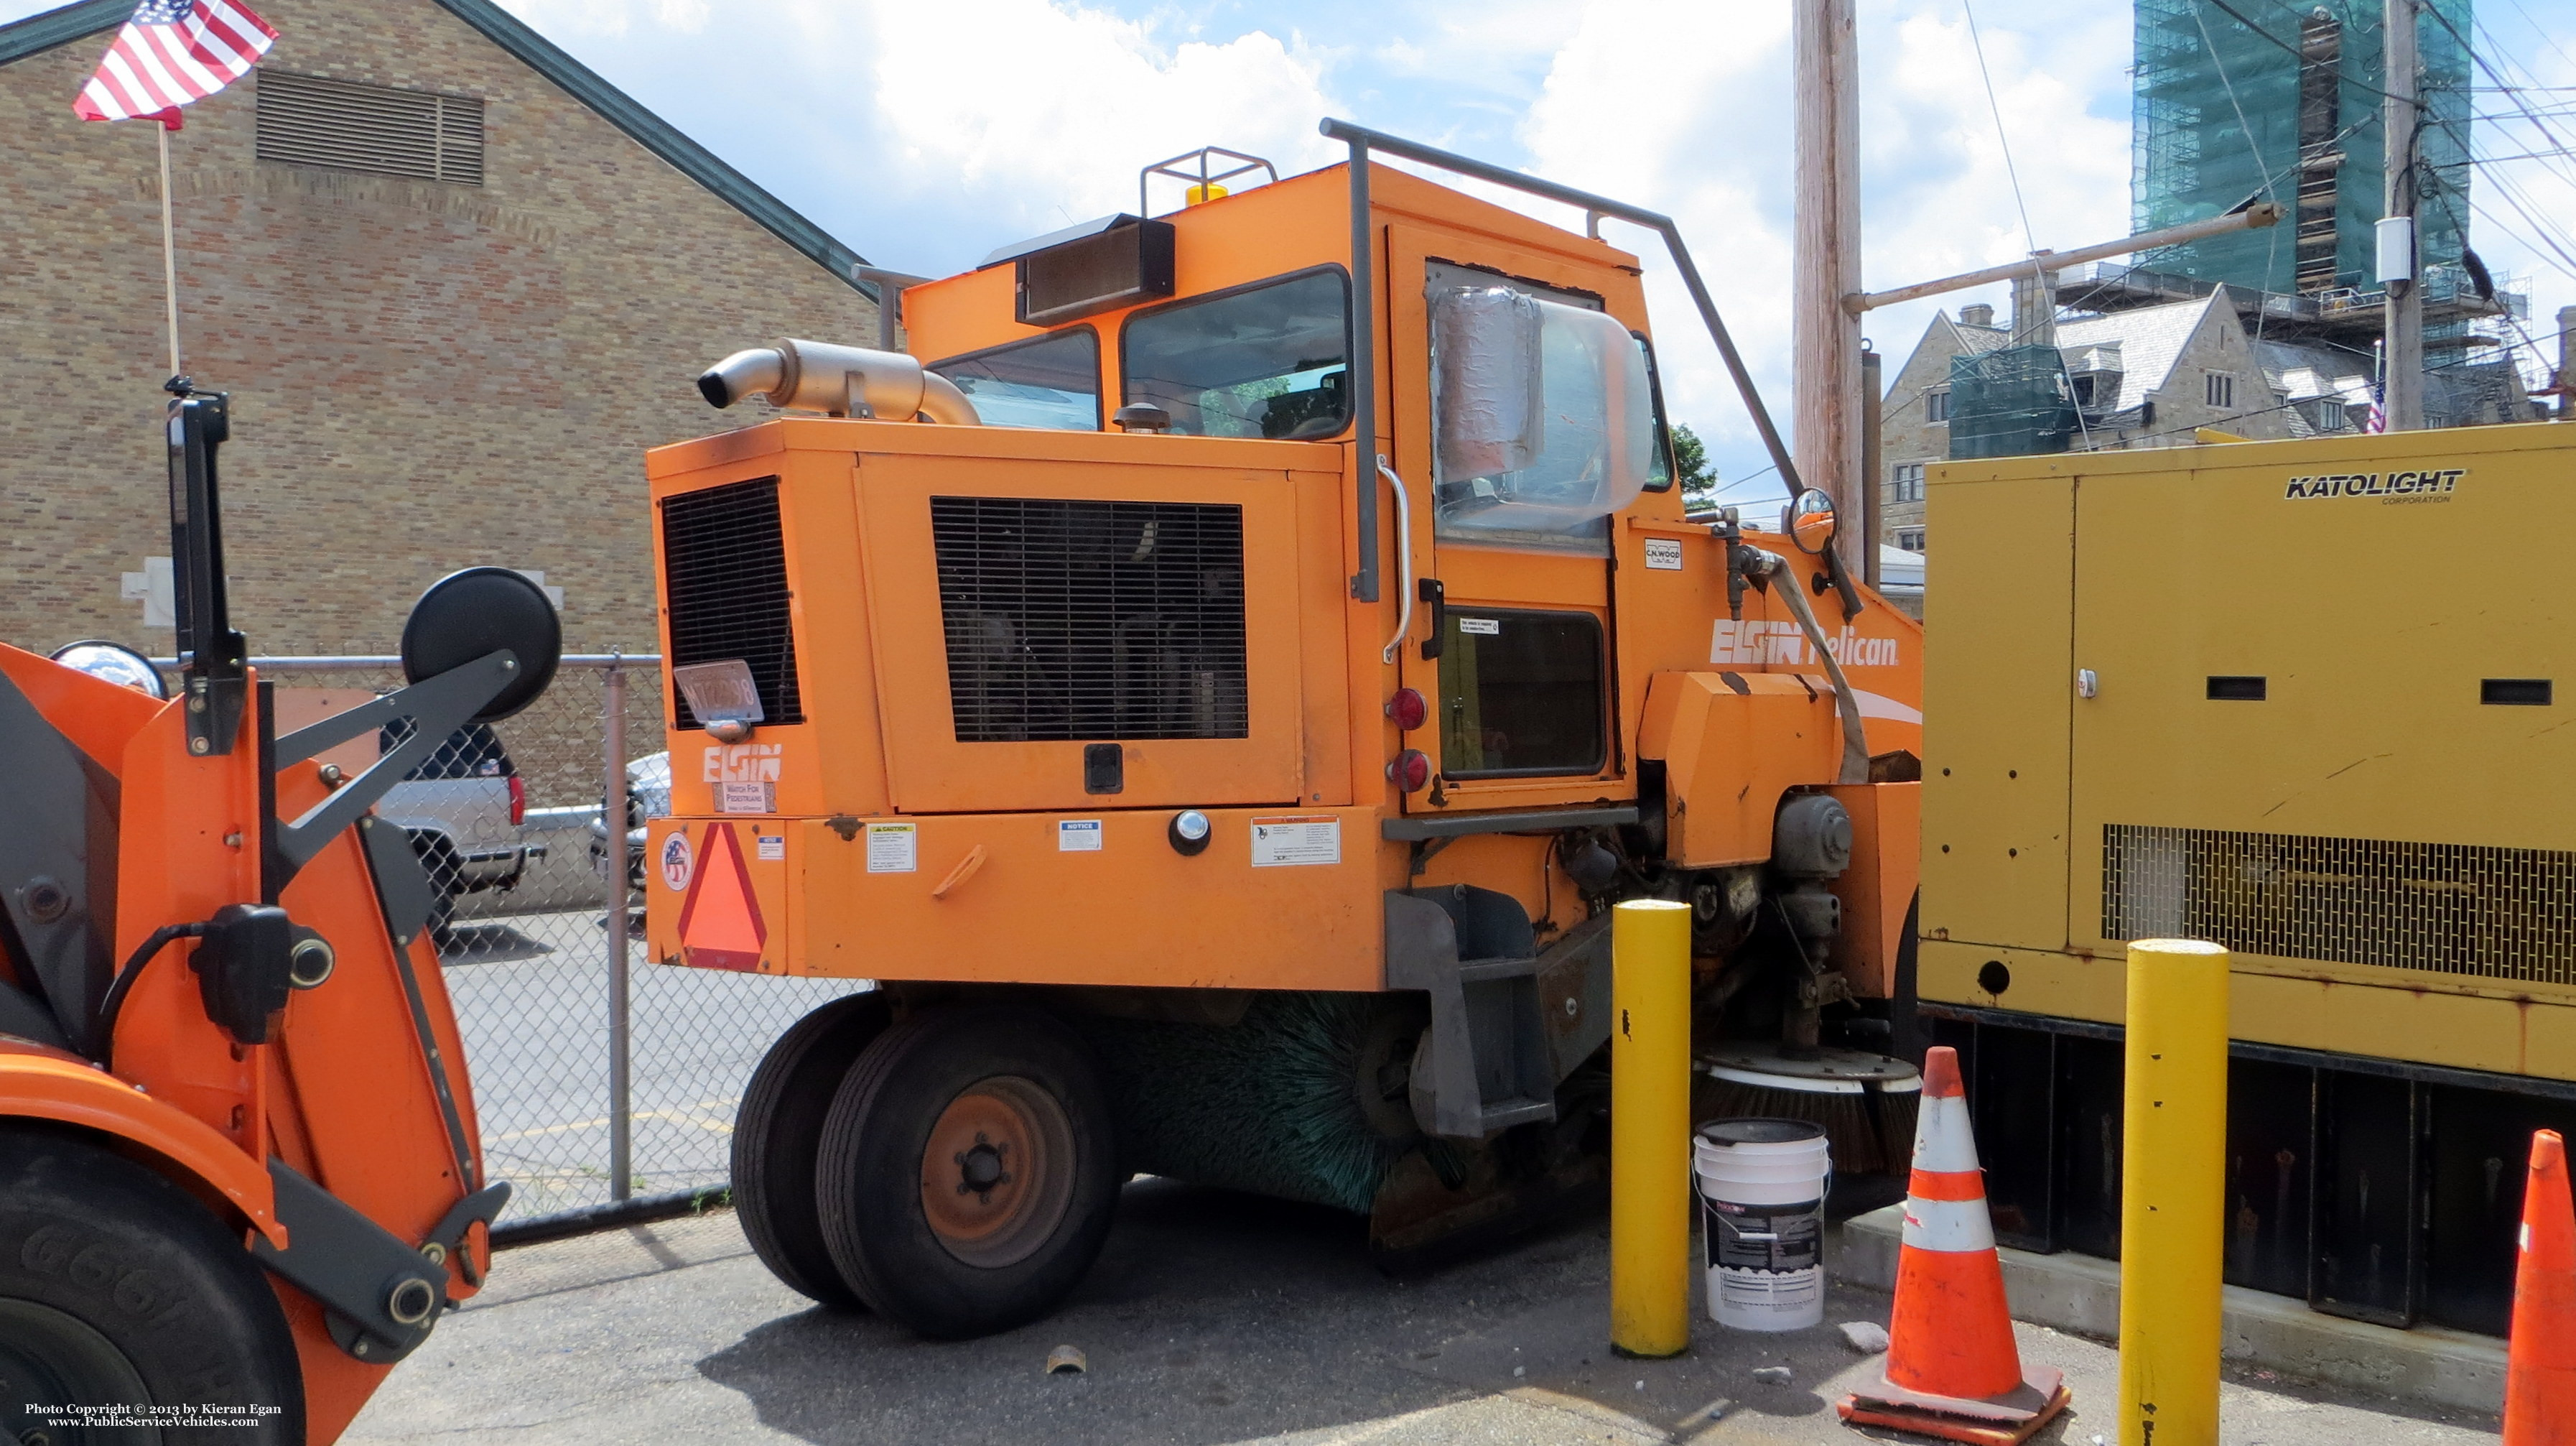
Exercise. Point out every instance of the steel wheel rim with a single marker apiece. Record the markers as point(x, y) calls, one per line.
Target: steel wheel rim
point(52, 1357)
point(997, 1171)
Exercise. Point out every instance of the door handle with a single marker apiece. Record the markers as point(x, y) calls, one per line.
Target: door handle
point(1437, 595)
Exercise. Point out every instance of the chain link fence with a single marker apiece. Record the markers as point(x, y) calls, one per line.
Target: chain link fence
point(507, 818)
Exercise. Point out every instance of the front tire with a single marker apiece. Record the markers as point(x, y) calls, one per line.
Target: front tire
point(778, 1132)
point(968, 1171)
point(118, 1288)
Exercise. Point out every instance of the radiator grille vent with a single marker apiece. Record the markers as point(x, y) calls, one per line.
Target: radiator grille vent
point(2455, 908)
point(306, 120)
point(1091, 620)
point(724, 579)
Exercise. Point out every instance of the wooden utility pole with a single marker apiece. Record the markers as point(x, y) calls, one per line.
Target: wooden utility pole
point(1824, 365)
point(2399, 119)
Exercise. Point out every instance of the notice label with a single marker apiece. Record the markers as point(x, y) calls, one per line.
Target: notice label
point(676, 866)
point(1489, 627)
point(773, 848)
point(1664, 554)
point(746, 798)
point(893, 848)
point(1077, 836)
point(1284, 842)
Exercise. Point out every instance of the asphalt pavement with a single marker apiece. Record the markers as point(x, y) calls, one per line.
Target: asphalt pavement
point(531, 998)
point(1212, 1317)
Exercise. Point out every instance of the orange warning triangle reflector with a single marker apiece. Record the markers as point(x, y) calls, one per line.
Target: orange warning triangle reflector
point(720, 924)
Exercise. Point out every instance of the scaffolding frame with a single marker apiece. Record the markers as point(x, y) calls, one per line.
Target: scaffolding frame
point(2222, 112)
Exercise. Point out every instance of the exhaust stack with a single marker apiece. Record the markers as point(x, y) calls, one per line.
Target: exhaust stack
point(838, 381)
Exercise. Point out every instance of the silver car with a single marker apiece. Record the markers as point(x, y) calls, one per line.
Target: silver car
point(462, 808)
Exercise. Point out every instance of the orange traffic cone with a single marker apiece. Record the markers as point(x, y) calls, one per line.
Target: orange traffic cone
point(2540, 1356)
point(1953, 1370)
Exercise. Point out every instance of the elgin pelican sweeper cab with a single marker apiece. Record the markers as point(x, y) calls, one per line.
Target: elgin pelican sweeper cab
point(239, 1173)
point(1216, 684)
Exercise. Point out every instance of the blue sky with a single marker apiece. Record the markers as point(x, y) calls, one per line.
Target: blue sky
point(924, 134)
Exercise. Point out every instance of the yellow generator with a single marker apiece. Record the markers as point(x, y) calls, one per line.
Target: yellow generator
point(2297, 698)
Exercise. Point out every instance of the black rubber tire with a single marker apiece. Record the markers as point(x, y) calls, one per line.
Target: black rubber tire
point(109, 1271)
point(868, 1180)
point(777, 1132)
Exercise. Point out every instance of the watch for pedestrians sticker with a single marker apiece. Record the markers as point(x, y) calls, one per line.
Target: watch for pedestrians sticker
point(893, 848)
point(675, 860)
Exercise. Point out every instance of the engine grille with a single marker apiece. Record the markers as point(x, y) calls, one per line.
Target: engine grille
point(1091, 620)
point(2455, 908)
point(724, 579)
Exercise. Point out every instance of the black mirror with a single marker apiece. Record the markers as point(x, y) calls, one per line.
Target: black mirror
point(466, 615)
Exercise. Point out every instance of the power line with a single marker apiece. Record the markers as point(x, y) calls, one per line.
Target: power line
point(2001, 138)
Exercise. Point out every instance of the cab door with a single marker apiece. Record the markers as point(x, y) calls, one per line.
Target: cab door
point(1513, 641)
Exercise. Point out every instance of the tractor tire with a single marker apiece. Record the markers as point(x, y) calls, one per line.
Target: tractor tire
point(117, 1288)
point(778, 1131)
point(968, 1170)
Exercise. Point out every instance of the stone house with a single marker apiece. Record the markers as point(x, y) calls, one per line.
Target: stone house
point(1914, 417)
point(2153, 376)
point(454, 282)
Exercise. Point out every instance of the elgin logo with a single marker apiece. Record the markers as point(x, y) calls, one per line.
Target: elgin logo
point(1753, 643)
point(743, 762)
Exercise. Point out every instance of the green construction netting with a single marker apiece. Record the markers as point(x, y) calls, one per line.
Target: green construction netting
point(2224, 112)
point(2009, 403)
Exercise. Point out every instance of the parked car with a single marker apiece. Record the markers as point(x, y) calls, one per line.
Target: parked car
point(648, 796)
point(462, 807)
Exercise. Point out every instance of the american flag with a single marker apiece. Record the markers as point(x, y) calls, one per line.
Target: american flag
point(170, 53)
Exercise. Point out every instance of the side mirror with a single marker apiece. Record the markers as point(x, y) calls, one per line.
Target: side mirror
point(1487, 375)
point(466, 615)
point(1812, 523)
point(116, 663)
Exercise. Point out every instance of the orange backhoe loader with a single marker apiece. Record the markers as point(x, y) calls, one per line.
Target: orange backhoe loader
point(1216, 682)
point(239, 1171)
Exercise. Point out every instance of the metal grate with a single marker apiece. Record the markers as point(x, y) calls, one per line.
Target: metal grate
point(1091, 620)
point(307, 120)
point(2454, 908)
point(724, 580)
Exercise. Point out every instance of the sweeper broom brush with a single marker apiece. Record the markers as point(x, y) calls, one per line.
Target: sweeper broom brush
point(1860, 1099)
point(1303, 1099)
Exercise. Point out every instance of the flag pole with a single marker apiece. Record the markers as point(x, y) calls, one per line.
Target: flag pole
point(169, 247)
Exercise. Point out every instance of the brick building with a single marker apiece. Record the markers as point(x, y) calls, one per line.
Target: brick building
point(455, 283)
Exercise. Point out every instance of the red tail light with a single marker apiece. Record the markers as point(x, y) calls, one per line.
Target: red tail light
point(1410, 770)
point(518, 800)
point(1408, 709)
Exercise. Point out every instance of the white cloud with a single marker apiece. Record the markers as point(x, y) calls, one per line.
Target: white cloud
point(1060, 105)
point(925, 135)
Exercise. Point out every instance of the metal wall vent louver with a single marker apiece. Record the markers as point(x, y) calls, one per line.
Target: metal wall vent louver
point(307, 120)
point(1092, 620)
point(2495, 913)
point(724, 580)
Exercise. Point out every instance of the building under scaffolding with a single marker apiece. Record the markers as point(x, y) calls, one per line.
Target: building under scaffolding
point(2287, 109)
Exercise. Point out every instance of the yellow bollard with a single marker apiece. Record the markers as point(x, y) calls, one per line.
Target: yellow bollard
point(1650, 1184)
point(2173, 1193)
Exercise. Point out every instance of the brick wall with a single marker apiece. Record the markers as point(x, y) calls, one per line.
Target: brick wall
point(424, 376)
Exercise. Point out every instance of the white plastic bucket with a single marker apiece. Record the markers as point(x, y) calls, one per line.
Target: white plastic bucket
point(1762, 1187)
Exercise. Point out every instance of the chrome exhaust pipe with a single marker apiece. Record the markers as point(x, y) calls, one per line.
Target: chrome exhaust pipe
point(838, 381)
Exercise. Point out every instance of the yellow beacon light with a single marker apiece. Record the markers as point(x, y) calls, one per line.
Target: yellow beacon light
point(1207, 191)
